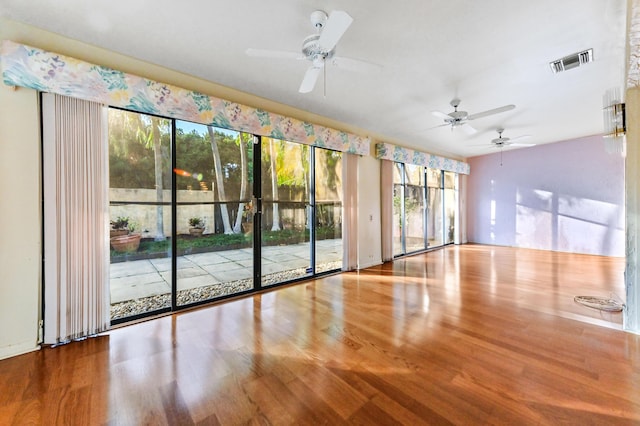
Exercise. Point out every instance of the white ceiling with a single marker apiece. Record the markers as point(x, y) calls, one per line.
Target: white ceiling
point(487, 53)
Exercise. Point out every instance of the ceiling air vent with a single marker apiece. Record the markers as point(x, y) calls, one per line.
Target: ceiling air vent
point(572, 61)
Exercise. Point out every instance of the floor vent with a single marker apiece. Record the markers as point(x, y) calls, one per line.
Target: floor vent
point(571, 61)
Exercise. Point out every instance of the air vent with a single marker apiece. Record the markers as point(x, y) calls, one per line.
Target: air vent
point(572, 61)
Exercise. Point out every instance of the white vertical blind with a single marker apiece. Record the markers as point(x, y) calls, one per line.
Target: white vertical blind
point(76, 245)
point(386, 207)
point(350, 212)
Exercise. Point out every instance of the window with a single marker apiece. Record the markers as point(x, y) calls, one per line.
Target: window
point(398, 210)
point(450, 203)
point(215, 213)
point(435, 230)
point(140, 213)
point(424, 208)
point(414, 208)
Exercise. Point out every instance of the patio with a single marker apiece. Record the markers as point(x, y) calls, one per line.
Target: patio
point(142, 286)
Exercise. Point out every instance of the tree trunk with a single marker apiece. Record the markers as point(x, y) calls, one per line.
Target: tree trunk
point(274, 186)
point(217, 167)
point(237, 227)
point(307, 184)
point(157, 157)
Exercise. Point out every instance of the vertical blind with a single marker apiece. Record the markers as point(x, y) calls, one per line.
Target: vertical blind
point(76, 246)
point(386, 206)
point(350, 212)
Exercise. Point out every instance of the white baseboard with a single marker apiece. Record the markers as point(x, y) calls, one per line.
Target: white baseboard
point(369, 264)
point(19, 349)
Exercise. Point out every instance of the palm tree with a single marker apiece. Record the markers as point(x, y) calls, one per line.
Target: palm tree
point(241, 141)
point(151, 137)
point(274, 185)
point(217, 167)
point(157, 157)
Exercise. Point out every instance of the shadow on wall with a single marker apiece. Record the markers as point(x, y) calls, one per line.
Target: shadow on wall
point(547, 220)
point(566, 196)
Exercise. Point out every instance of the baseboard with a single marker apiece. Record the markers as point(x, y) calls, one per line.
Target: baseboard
point(369, 264)
point(15, 350)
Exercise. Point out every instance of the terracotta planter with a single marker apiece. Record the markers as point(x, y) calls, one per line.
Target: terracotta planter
point(247, 227)
point(126, 243)
point(118, 232)
point(196, 232)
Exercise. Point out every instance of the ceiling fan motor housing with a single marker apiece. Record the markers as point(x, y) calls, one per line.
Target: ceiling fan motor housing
point(313, 52)
point(457, 118)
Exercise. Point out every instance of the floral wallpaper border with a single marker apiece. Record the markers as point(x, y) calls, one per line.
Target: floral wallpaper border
point(387, 151)
point(37, 69)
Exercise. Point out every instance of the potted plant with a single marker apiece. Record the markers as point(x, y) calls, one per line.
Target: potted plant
point(120, 226)
point(128, 242)
point(247, 218)
point(196, 226)
point(287, 223)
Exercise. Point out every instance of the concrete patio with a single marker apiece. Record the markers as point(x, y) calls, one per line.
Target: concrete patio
point(140, 279)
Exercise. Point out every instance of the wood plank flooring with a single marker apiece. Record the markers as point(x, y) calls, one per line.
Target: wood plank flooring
point(464, 335)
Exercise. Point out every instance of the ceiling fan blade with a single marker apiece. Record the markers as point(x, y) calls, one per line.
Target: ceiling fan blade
point(440, 125)
point(334, 28)
point(441, 115)
point(519, 138)
point(522, 144)
point(309, 80)
point(491, 112)
point(355, 64)
point(468, 129)
point(279, 54)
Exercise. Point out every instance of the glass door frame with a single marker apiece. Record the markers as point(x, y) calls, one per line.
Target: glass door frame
point(256, 208)
point(257, 213)
point(442, 231)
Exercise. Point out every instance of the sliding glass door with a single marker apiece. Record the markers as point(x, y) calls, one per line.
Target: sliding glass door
point(398, 210)
point(214, 213)
point(414, 208)
point(450, 203)
point(435, 223)
point(140, 213)
point(286, 211)
point(424, 208)
point(328, 206)
point(213, 193)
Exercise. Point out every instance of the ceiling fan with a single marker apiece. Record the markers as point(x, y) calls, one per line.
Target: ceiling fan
point(319, 48)
point(501, 142)
point(461, 118)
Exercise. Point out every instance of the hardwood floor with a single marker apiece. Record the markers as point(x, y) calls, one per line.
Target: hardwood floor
point(465, 335)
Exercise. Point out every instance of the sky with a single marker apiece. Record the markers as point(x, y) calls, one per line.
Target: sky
point(201, 129)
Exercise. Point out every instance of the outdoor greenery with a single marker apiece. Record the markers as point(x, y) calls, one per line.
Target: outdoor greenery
point(213, 242)
point(121, 222)
point(196, 222)
point(219, 160)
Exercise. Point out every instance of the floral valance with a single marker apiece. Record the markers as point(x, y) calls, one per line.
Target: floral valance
point(50, 72)
point(387, 151)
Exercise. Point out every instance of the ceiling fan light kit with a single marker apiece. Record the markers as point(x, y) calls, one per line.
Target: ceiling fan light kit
point(461, 118)
point(501, 142)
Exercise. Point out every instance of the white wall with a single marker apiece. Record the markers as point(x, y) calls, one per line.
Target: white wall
point(566, 196)
point(20, 220)
point(369, 223)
